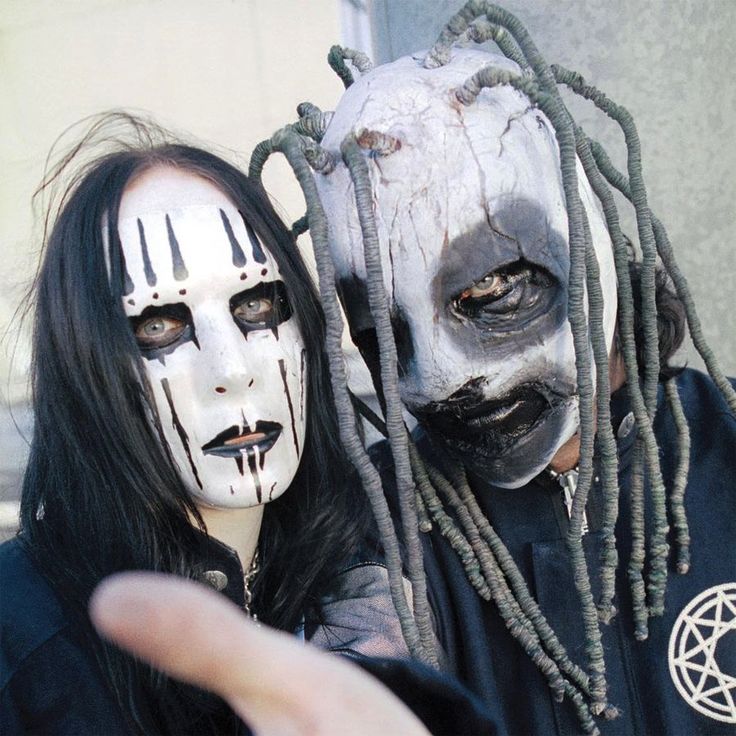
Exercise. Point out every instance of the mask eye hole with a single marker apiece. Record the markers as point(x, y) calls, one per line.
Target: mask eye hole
point(264, 306)
point(254, 311)
point(162, 326)
point(158, 332)
point(518, 287)
point(491, 286)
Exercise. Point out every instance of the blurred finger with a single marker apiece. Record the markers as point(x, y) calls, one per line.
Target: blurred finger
point(274, 682)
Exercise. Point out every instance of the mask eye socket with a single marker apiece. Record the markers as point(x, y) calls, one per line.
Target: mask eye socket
point(517, 288)
point(164, 326)
point(158, 332)
point(265, 306)
point(491, 286)
point(254, 311)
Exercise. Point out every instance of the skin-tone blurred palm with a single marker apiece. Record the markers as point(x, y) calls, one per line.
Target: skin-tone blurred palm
point(274, 682)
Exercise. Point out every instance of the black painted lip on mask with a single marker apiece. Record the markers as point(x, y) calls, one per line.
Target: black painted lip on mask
point(234, 440)
point(466, 417)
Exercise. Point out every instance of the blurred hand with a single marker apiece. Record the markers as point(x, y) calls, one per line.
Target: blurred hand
point(278, 685)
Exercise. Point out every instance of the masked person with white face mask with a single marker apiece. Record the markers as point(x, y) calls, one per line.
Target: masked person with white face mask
point(178, 387)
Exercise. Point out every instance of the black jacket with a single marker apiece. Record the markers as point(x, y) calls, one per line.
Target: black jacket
point(682, 679)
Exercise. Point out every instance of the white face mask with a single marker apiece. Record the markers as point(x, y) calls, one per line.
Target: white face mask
point(472, 227)
point(224, 356)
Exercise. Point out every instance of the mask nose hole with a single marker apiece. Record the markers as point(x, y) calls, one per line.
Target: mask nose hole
point(220, 389)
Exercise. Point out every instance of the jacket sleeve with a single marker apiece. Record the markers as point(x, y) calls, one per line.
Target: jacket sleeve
point(58, 690)
point(357, 616)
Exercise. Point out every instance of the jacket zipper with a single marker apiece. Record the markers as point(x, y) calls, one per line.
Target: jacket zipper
point(569, 482)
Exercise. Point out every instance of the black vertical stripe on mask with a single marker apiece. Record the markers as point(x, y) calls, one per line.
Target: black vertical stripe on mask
point(180, 429)
point(282, 368)
point(251, 453)
point(177, 262)
point(258, 255)
point(128, 285)
point(270, 493)
point(239, 258)
point(147, 267)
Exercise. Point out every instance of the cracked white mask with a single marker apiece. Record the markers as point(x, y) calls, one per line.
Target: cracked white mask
point(223, 354)
point(473, 235)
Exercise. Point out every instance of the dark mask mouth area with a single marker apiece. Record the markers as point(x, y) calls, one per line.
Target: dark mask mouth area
point(236, 439)
point(466, 418)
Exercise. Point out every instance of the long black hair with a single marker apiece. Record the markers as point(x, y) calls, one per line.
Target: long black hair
point(101, 493)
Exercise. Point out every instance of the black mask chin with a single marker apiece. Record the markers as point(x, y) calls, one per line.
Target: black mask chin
point(508, 439)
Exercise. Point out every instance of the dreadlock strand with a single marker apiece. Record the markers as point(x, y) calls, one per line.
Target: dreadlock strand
point(666, 253)
point(460, 543)
point(336, 60)
point(425, 523)
point(306, 109)
point(638, 541)
point(579, 247)
point(518, 584)
point(658, 546)
point(319, 158)
point(677, 496)
point(554, 109)
point(314, 124)
point(608, 450)
point(439, 54)
point(398, 439)
point(482, 30)
point(627, 341)
point(289, 144)
point(517, 622)
point(258, 158)
point(623, 118)
point(300, 226)
point(477, 556)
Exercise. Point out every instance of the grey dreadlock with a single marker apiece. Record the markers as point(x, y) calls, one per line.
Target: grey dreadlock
point(424, 491)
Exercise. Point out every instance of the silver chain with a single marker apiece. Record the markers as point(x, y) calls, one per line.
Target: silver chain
point(248, 577)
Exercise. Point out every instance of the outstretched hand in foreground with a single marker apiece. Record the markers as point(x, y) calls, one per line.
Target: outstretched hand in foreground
point(278, 685)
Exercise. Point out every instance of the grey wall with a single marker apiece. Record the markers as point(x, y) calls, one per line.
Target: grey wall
point(670, 63)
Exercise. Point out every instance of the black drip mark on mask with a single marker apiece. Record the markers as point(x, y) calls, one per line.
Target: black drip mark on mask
point(179, 429)
point(239, 259)
point(301, 383)
point(251, 453)
point(232, 491)
point(147, 267)
point(128, 285)
point(177, 262)
point(275, 332)
point(270, 493)
point(244, 430)
point(258, 255)
point(282, 368)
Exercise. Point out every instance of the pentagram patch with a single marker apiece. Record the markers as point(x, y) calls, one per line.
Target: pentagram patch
point(702, 653)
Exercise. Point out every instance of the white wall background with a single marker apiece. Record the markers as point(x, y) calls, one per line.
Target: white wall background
point(229, 72)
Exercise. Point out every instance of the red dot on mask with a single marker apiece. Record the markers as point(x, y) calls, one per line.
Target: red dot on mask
point(220, 389)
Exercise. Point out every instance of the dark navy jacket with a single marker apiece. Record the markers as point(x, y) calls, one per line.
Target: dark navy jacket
point(532, 521)
point(50, 682)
